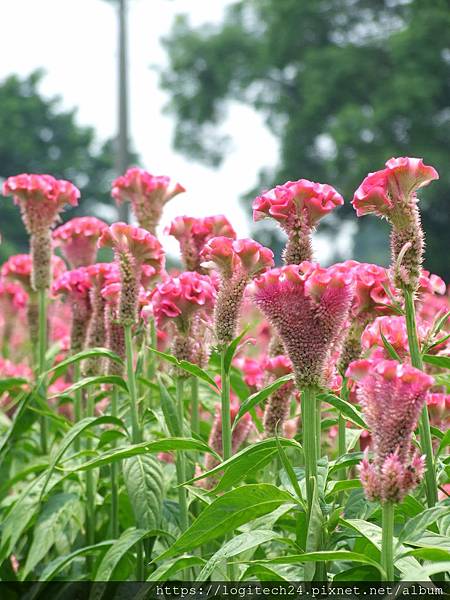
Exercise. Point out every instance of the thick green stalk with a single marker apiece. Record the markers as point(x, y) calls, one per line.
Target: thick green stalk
point(77, 401)
point(318, 428)
point(387, 542)
point(308, 406)
point(114, 475)
point(424, 423)
point(90, 494)
point(42, 349)
point(195, 421)
point(225, 405)
point(136, 434)
point(181, 460)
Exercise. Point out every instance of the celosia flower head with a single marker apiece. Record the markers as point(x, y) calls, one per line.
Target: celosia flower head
point(237, 261)
point(147, 193)
point(193, 233)
point(41, 198)
point(391, 193)
point(297, 206)
point(383, 192)
point(177, 299)
point(252, 371)
point(12, 296)
point(392, 396)
point(308, 306)
point(78, 240)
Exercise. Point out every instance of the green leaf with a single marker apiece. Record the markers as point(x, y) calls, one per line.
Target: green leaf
point(56, 514)
point(414, 528)
point(144, 482)
point(345, 408)
point(11, 383)
point(390, 348)
point(164, 445)
point(117, 551)
point(434, 554)
point(334, 487)
point(423, 572)
point(60, 368)
point(332, 555)
point(166, 570)
point(227, 513)
point(187, 366)
point(23, 420)
point(258, 397)
point(231, 350)
point(289, 470)
point(248, 460)
point(97, 380)
point(237, 545)
point(73, 434)
point(261, 573)
point(57, 565)
point(346, 461)
point(444, 443)
point(170, 411)
point(437, 361)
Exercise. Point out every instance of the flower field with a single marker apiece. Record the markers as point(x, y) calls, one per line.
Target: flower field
point(229, 420)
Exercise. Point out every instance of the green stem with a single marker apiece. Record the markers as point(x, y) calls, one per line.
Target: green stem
point(136, 435)
point(42, 349)
point(342, 473)
point(114, 475)
point(90, 494)
point(318, 428)
point(225, 405)
point(424, 423)
point(77, 401)
point(387, 542)
point(308, 406)
point(181, 459)
point(195, 421)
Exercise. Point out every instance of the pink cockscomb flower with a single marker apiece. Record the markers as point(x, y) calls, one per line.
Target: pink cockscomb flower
point(438, 408)
point(78, 240)
point(193, 233)
point(252, 371)
point(147, 193)
point(308, 306)
point(19, 268)
point(297, 206)
point(76, 286)
point(186, 302)
point(41, 198)
point(391, 193)
point(278, 404)
point(237, 261)
point(392, 396)
point(133, 247)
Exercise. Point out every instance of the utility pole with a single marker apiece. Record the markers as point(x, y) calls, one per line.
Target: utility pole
point(122, 142)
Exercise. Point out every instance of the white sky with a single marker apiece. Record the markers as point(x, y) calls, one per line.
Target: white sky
point(75, 41)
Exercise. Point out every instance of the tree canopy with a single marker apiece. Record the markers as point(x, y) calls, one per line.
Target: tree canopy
point(343, 84)
point(37, 136)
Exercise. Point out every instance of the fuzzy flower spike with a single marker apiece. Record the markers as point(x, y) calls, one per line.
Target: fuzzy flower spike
point(297, 206)
point(78, 240)
point(133, 248)
point(391, 194)
point(41, 198)
point(237, 262)
point(147, 193)
point(392, 396)
point(308, 306)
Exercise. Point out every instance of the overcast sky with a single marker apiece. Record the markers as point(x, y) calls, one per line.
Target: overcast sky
point(75, 41)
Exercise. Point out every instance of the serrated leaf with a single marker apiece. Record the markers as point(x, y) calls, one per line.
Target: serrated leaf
point(144, 482)
point(258, 397)
point(227, 513)
point(117, 551)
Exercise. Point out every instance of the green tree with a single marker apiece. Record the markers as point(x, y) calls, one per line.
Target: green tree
point(37, 136)
point(343, 84)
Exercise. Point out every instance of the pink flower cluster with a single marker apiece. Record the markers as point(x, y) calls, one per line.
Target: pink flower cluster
point(297, 206)
point(308, 306)
point(193, 233)
point(147, 193)
point(78, 240)
point(19, 268)
point(392, 396)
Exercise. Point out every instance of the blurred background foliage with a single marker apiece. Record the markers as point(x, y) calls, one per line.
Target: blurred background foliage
point(342, 84)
